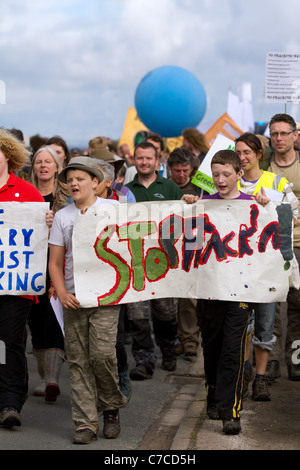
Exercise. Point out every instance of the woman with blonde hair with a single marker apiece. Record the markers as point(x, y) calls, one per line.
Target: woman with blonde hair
point(45, 168)
point(47, 337)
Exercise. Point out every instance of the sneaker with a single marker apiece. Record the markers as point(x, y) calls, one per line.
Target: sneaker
point(139, 373)
point(260, 389)
point(272, 371)
point(125, 384)
point(231, 426)
point(84, 436)
point(168, 363)
point(111, 428)
point(10, 417)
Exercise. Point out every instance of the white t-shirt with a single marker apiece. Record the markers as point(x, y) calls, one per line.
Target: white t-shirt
point(61, 235)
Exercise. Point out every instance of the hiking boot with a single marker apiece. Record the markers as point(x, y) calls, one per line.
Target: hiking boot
point(260, 390)
point(10, 417)
point(272, 371)
point(168, 363)
point(140, 373)
point(248, 377)
point(231, 426)
point(84, 436)
point(111, 428)
point(190, 349)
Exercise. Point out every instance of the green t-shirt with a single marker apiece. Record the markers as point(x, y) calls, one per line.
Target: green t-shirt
point(161, 189)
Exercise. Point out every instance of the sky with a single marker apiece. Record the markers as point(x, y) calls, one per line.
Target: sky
point(72, 67)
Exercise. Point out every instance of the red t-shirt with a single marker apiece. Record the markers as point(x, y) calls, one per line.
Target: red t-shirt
point(20, 190)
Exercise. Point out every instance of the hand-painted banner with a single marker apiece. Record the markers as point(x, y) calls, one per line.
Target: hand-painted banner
point(226, 250)
point(23, 247)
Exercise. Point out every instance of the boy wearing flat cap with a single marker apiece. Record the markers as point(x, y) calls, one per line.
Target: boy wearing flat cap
point(90, 333)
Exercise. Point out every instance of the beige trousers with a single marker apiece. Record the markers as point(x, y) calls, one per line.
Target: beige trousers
point(90, 344)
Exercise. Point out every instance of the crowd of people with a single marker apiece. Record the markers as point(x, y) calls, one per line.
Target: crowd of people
point(72, 181)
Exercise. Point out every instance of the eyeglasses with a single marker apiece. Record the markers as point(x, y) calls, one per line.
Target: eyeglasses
point(284, 135)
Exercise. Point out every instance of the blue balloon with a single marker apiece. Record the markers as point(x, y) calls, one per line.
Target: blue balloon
point(169, 99)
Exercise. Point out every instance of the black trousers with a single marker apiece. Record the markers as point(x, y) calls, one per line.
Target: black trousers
point(44, 328)
point(120, 346)
point(223, 327)
point(13, 374)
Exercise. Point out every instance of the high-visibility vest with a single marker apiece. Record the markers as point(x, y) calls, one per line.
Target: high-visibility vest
point(268, 180)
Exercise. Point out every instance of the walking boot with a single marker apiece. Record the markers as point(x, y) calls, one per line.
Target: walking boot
point(39, 354)
point(111, 428)
point(260, 389)
point(53, 362)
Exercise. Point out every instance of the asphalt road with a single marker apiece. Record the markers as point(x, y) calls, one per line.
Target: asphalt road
point(165, 414)
point(49, 426)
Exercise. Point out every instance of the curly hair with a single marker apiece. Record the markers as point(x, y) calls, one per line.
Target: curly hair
point(14, 150)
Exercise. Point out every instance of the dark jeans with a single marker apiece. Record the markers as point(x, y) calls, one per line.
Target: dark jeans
point(14, 311)
point(223, 327)
point(163, 315)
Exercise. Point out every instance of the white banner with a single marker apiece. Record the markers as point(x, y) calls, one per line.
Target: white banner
point(23, 247)
point(282, 78)
point(226, 250)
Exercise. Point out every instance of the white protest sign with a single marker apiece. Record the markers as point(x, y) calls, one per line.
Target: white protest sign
point(203, 177)
point(23, 247)
point(282, 77)
point(227, 250)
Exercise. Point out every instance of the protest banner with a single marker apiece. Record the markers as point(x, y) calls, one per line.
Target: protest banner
point(227, 250)
point(23, 248)
point(203, 176)
point(282, 78)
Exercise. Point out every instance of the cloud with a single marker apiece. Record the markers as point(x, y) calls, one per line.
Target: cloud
point(72, 67)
